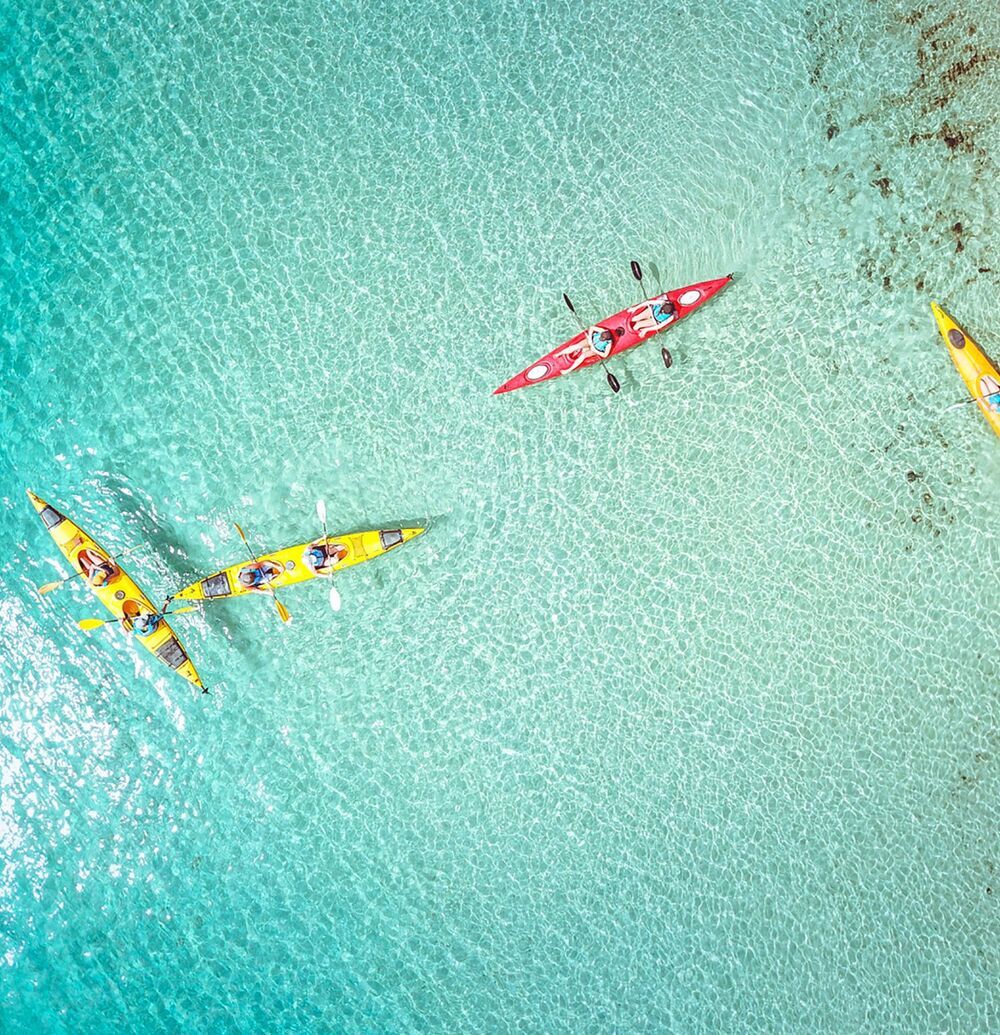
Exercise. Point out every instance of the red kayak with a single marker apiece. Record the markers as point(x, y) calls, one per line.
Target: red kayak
point(624, 330)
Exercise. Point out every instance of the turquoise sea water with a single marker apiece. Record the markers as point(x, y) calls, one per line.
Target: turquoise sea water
point(683, 715)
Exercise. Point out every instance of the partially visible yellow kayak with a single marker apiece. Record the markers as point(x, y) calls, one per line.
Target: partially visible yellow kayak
point(316, 559)
point(116, 590)
point(981, 376)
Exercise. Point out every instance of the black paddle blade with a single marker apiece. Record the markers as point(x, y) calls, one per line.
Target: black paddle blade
point(569, 304)
point(668, 360)
point(636, 271)
point(613, 381)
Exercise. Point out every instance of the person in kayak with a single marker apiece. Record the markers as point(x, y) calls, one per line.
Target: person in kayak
point(98, 570)
point(145, 624)
point(256, 577)
point(597, 341)
point(135, 618)
point(324, 554)
point(653, 316)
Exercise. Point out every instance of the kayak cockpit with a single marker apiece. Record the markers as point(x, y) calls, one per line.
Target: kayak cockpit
point(600, 339)
point(139, 618)
point(260, 574)
point(654, 315)
point(322, 556)
point(97, 567)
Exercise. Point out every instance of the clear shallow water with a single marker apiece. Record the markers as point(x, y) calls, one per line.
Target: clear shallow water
point(683, 715)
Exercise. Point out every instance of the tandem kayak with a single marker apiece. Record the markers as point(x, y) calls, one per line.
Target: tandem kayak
point(316, 559)
point(624, 330)
point(980, 375)
point(116, 590)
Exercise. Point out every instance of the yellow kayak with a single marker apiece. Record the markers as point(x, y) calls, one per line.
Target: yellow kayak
point(116, 590)
point(979, 374)
point(318, 558)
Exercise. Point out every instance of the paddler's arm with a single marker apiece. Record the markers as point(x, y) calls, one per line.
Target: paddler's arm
point(584, 353)
point(570, 349)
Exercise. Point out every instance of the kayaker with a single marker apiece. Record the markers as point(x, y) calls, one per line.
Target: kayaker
point(601, 340)
point(99, 575)
point(254, 577)
point(323, 555)
point(597, 341)
point(653, 316)
point(145, 624)
point(98, 570)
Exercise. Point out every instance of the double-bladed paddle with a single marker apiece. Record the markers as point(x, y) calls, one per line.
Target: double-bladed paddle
point(50, 586)
point(612, 380)
point(282, 610)
point(321, 514)
point(95, 623)
point(668, 360)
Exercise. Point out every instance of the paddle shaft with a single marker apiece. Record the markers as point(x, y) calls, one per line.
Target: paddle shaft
point(49, 586)
point(334, 594)
point(972, 399)
point(668, 360)
point(612, 380)
point(96, 623)
point(282, 611)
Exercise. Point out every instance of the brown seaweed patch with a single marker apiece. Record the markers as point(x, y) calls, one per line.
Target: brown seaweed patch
point(884, 185)
point(935, 46)
point(954, 138)
point(931, 31)
point(959, 70)
point(933, 75)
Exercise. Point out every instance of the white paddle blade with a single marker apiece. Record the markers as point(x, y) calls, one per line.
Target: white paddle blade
point(321, 511)
point(334, 599)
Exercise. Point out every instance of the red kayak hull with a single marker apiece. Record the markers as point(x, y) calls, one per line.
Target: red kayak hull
point(630, 327)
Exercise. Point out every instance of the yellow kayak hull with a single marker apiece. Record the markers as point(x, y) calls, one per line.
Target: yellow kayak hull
point(296, 564)
point(117, 591)
point(981, 376)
